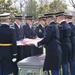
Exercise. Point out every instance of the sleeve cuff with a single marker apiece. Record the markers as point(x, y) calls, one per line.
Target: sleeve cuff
point(14, 54)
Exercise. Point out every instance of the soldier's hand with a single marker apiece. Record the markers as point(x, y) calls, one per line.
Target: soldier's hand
point(14, 59)
point(36, 44)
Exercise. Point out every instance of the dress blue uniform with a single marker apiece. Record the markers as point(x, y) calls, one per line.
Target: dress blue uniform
point(29, 33)
point(19, 36)
point(65, 34)
point(72, 40)
point(53, 49)
point(7, 47)
point(72, 62)
point(40, 31)
point(19, 33)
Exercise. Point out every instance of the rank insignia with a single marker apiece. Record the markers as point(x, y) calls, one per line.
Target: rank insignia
point(40, 30)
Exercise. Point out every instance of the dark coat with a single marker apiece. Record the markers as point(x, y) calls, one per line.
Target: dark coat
point(6, 52)
point(30, 33)
point(19, 32)
point(65, 34)
point(19, 36)
point(73, 39)
point(53, 48)
point(40, 32)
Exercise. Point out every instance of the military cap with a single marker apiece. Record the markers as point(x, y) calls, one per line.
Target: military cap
point(42, 17)
point(59, 14)
point(49, 14)
point(5, 16)
point(18, 17)
point(29, 17)
point(68, 15)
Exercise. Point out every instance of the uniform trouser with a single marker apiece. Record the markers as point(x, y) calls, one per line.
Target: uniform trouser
point(15, 68)
point(72, 67)
point(54, 72)
point(1, 71)
point(65, 69)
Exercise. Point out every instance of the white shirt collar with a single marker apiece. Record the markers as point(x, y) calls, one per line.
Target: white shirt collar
point(17, 25)
point(62, 21)
point(30, 26)
point(5, 23)
point(51, 22)
point(69, 21)
point(42, 25)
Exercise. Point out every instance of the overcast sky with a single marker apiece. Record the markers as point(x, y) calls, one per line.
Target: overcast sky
point(69, 4)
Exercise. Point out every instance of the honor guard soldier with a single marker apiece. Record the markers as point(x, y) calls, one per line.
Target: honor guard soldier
point(7, 45)
point(68, 18)
point(29, 33)
point(40, 32)
point(53, 48)
point(40, 29)
point(19, 33)
point(65, 34)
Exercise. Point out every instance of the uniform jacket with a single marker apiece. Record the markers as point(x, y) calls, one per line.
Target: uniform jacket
point(40, 31)
point(53, 48)
point(65, 34)
point(19, 32)
point(6, 52)
point(29, 32)
point(72, 39)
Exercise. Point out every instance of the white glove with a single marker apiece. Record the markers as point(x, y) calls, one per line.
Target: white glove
point(36, 44)
point(14, 59)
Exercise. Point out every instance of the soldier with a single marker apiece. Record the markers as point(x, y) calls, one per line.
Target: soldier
point(53, 48)
point(40, 32)
point(29, 33)
point(28, 27)
point(19, 36)
point(65, 34)
point(7, 45)
point(68, 18)
point(40, 29)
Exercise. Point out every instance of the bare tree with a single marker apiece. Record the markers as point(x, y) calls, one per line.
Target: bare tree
point(72, 3)
point(20, 5)
point(44, 1)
